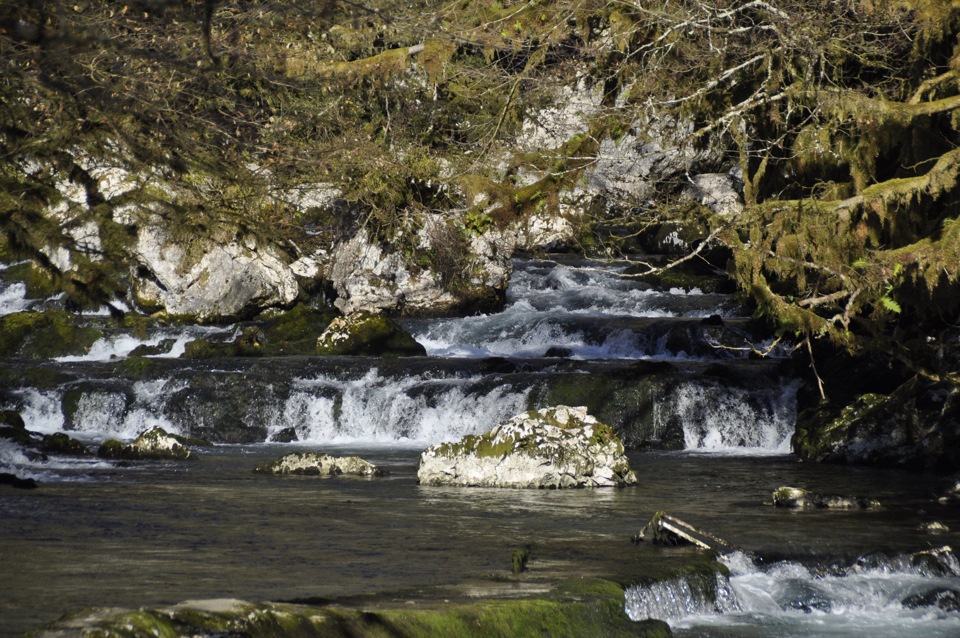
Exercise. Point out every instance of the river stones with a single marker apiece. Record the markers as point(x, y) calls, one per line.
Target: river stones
point(319, 464)
point(156, 444)
point(797, 498)
point(557, 447)
point(364, 333)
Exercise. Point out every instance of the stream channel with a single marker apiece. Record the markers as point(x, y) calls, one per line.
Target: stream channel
point(708, 429)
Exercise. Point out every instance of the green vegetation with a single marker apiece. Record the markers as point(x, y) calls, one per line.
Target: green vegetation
point(588, 607)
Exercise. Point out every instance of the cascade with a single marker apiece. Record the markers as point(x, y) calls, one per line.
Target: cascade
point(899, 596)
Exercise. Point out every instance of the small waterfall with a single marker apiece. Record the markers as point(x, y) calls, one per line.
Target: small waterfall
point(721, 418)
point(168, 343)
point(413, 409)
point(905, 596)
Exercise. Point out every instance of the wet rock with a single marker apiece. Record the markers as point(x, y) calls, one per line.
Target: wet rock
point(319, 464)
point(802, 596)
point(16, 482)
point(942, 598)
point(797, 498)
point(933, 527)
point(367, 334)
point(154, 444)
point(937, 562)
point(286, 435)
point(558, 447)
point(60, 443)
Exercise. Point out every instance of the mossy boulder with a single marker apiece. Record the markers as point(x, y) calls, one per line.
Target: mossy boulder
point(798, 498)
point(557, 447)
point(156, 444)
point(60, 443)
point(916, 426)
point(319, 464)
point(364, 333)
point(45, 335)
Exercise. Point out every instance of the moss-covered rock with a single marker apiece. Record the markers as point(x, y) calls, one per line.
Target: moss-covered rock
point(558, 447)
point(915, 426)
point(44, 335)
point(60, 443)
point(367, 334)
point(582, 608)
point(318, 464)
point(798, 498)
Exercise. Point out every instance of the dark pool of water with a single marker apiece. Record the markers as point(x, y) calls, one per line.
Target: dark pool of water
point(162, 533)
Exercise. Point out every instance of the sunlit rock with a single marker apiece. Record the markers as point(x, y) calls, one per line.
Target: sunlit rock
point(207, 279)
point(558, 447)
point(154, 444)
point(318, 464)
point(364, 333)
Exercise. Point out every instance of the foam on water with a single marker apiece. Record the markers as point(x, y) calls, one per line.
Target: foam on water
point(13, 298)
point(13, 460)
point(120, 346)
point(789, 599)
point(412, 410)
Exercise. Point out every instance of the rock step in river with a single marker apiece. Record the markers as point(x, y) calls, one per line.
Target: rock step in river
point(666, 368)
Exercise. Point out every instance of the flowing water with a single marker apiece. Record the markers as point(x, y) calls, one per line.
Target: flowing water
point(658, 364)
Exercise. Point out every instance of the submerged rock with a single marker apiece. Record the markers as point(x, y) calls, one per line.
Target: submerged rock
point(154, 444)
point(364, 333)
point(319, 464)
point(557, 447)
point(942, 598)
point(797, 498)
point(16, 482)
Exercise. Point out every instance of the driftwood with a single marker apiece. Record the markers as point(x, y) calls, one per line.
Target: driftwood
point(668, 530)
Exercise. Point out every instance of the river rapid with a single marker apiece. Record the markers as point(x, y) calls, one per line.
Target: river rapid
point(99, 533)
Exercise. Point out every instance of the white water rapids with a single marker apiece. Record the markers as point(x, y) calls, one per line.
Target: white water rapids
point(880, 597)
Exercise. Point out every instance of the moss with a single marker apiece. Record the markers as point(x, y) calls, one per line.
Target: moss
point(44, 335)
point(60, 443)
point(367, 334)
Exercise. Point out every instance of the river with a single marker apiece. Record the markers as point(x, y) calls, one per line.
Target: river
point(709, 428)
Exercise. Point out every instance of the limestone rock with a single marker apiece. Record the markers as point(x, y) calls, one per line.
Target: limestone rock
point(318, 464)
point(209, 280)
point(369, 276)
point(717, 192)
point(367, 334)
point(154, 444)
point(797, 498)
point(557, 447)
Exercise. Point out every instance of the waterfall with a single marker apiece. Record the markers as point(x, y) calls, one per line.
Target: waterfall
point(718, 418)
point(413, 409)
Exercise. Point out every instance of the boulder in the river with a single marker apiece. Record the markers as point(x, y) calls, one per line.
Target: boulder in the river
point(933, 527)
point(664, 529)
point(557, 447)
point(943, 598)
point(798, 498)
point(365, 333)
point(60, 443)
point(915, 426)
point(319, 464)
point(154, 444)
point(14, 481)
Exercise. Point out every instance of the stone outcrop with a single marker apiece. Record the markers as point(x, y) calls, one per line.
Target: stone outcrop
point(207, 279)
point(798, 498)
point(367, 334)
point(319, 464)
point(557, 447)
point(156, 444)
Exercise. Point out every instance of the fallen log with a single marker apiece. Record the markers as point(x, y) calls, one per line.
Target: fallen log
point(664, 529)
